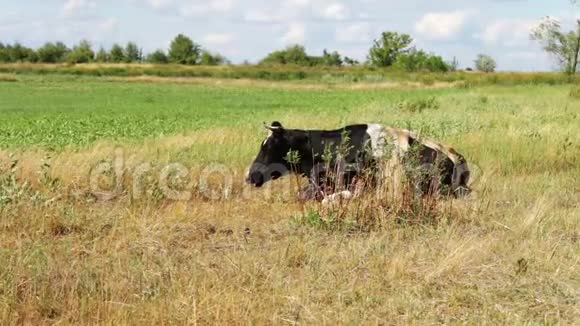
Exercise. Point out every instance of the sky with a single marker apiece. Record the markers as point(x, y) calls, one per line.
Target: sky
point(249, 29)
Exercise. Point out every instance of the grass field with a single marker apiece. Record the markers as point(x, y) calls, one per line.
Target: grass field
point(507, 254)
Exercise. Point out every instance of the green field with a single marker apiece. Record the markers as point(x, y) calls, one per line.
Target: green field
point(507, 254)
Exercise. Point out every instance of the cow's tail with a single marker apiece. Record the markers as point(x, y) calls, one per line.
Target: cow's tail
point(460, 179)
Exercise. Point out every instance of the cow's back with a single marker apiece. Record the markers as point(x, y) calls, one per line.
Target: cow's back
point(398, 144)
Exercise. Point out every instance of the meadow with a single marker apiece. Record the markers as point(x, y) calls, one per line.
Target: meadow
point(80, 243)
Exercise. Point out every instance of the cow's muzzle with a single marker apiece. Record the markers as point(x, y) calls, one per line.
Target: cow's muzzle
point(260, 175)
point(256, 179)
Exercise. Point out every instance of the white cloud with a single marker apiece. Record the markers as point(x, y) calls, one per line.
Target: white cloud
point(359, 32)
point(259, 16)
point(336, 11)
point(107, 26)
point(298, 3)
point(531, 55)
point(188, 7)
point(296, 34)
point(221, 5)
point(197, 8)
point(442, 25)
point(72, 6)
point(507, 32)
point(218, 38)
point(160, 4)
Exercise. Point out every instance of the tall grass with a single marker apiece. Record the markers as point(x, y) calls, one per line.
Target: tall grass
point(292, 73)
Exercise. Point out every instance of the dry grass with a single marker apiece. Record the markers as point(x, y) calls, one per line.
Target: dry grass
point(245, 82)
point(503, 257)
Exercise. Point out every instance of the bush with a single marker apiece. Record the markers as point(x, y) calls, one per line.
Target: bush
point(419, 60)
point(184, 51)
point(52, 53)
point(17, 53)
point(158, 57)
point(102, 56)
point(132, 53)
point(295, 54)
point(210, 59)
point(485, 63)
point(117, 54)
point(4, 57)
point(81, 53)
point(331, 58)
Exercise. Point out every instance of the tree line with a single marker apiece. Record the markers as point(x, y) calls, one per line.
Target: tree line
point(391, 49)
point(181, 51)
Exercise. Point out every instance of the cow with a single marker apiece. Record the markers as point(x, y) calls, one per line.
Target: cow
point(353, 151)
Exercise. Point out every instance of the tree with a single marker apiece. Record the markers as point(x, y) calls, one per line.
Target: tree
point(117, 54)
point(158, 56)
point(296, 54)
point(485, 63)
point(17, 53)
point(184, 51)
point(276, 57)
point(20, 53)
point(81, 53)
point(565, 47)
point(4, 57)
point(385, 50)
point(52, 52)
point(210, 59)
point(331, 59)
point(102, 56)
point(419, 60)
point(454, 64)
point(132, 53)
point(350, 61)
point(293, 54)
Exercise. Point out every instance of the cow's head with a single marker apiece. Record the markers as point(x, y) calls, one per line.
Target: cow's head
point(271, 163)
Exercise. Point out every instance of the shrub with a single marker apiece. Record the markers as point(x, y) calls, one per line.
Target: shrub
point(117, 54)
point(81, 53)
point(211, 59)
point(132, 53)
point(158, 57)
point(485, 63)
point(184, 51)
point(102, 56)
point(294, 54)
point(52, 52)
point(419, 60)
point(17, 53)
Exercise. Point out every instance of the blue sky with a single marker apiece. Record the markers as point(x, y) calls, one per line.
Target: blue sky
point(249, 29)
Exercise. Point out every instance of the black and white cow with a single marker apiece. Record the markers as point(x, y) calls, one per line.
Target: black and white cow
point(356, 148)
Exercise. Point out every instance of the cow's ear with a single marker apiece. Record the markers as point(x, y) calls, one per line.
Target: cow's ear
point(275, 127)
